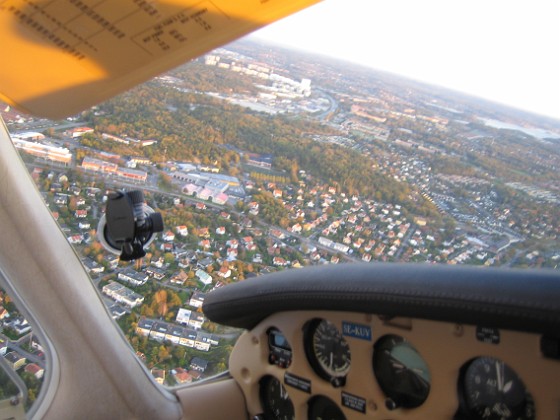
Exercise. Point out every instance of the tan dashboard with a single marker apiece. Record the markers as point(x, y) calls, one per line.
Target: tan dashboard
point(489, 372)
point(396, 341)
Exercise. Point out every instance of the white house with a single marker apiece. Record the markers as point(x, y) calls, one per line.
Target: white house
point(182, 230)
point(204, 277)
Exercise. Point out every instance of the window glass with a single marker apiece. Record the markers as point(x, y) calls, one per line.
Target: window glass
point(263, 159)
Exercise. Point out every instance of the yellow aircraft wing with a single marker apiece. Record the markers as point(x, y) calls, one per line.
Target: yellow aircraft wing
point(67, 55)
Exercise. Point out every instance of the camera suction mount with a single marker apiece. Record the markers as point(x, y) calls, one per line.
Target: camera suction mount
point(129, 225)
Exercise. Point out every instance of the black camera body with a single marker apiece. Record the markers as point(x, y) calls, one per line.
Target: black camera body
point(128, 225)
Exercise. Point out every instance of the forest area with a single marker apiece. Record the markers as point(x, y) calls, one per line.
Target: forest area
point(192, 127)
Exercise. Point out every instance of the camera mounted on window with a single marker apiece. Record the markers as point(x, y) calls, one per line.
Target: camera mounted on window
point(129, 225)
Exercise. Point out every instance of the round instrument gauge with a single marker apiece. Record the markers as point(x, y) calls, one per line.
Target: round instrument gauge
point(327, 351)
point(276, 403)
point(322, 408)
point(401, 372)
point(492, 390)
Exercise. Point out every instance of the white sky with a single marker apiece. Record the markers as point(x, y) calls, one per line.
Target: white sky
point(504, 50)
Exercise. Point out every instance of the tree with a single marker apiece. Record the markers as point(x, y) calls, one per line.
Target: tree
point(179, 353)
point(164, 182)
point(72, 204)
point(31, 396)
point(174, 299)
point(145, 310)
point(169, 258)
point(221, 367)
point(134, 342)
point(163, 353)
point(154, 355)
point(160, 302)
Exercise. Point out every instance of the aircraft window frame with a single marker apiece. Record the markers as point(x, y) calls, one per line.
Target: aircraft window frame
point(37, 237)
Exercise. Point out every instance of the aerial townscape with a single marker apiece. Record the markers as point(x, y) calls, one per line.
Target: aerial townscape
point(263, 159)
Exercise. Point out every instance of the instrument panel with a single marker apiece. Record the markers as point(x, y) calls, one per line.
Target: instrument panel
point(345, 365)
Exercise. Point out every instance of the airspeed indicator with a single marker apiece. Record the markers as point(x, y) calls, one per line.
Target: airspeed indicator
point(327, 351)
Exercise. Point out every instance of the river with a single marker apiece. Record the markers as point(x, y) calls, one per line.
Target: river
point(538, 133)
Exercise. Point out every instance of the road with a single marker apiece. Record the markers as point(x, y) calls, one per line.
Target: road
point(333, 105)
point(15, 346)
point(405, 240)
point(43, 124)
